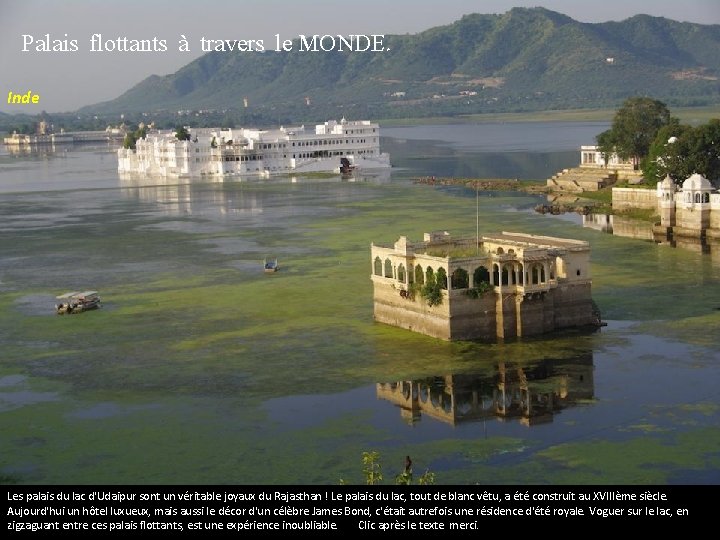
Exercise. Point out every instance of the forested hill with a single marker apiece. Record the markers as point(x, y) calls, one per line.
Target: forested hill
point(525, 59)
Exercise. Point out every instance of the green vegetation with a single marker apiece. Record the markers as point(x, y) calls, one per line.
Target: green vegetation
point(431, 292)
point(131, 137)
point(372, 471)
point(456, 252)
point(680, 150)
point(642, 214)
point(480, 290)
point(634, 127)
point(525, 60)
point(182, 134)
point(603, 196)
point(642, 129)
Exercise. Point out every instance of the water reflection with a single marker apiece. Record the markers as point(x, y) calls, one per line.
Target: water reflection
point(531, 393)
point(627, 227)
point(50, 149)
point(178, 196)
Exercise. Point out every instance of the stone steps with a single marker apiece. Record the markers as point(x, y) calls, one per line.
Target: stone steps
point(577, 180)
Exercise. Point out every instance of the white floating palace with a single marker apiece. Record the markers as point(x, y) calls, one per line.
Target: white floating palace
point(330, 147)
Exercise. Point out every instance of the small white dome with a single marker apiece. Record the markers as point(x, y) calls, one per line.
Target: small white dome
point(672, 140)
point(697, 182)
point(668, 183)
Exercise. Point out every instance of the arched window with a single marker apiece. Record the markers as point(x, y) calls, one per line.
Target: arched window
point(481, 275)
point(460, 279)
point(706, 197)
point(419, 276)
point(401, 273)
point(500, 251)
point(521, 274)
point(511, 251)
point(496, 274)
point(535, 275)
point(378, 266)
point(442, 278)
point(542, 274)
point(429, 274)
point(505, 276)
point(697, 197)
point(688, 197)
point(388, 268)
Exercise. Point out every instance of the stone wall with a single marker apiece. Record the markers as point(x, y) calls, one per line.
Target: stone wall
point(633, 198)
point(632, 228)
point(536, 315)
point(694, 219)
point(472, 318)
point(415, 315)
point(489, 317)
point(573, 305)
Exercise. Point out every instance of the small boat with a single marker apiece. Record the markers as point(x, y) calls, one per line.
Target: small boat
point(270, 266)
point(77, 302)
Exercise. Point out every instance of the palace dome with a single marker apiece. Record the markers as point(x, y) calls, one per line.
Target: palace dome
point(697, 182)
point(668, 183)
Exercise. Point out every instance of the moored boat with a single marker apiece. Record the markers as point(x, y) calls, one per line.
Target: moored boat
point(77, 302)
point(270, 266)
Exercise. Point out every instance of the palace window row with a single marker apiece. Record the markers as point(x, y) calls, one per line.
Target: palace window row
point(505, 275)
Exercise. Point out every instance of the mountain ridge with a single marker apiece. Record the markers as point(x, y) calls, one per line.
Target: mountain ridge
point(524, 59)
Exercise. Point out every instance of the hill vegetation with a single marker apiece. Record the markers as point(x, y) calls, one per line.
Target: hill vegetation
point(523, 60)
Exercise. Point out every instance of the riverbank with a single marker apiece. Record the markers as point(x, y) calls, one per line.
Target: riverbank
point(590, 202)
point(687, 115)
point(486, 184)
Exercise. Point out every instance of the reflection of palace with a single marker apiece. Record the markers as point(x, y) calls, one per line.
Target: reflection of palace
point(530, 393)
point(178, 196)
point(185, 197)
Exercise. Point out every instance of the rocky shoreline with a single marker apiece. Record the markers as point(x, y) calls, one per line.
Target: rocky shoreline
point(485, 184)
point(506, 184)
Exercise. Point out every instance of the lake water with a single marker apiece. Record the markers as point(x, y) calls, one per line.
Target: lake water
point(200, 368)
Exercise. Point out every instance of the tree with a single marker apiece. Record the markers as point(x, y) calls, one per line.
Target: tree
point(680, 151)
point(182, 134)
point(704, 149)
point(129, 141)
point(131, 137)
point(634, 128)
point(668, 154)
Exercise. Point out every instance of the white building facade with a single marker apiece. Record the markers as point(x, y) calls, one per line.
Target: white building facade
point(329, 147)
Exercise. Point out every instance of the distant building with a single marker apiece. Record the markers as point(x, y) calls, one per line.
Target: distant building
point(328, 147)
point(594, 172)
point(501, 286)
point(64, 137)
point(693, 210)
point(591, 157)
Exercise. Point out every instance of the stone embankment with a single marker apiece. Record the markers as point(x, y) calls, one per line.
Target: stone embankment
point(484, 184)
point(557, 206)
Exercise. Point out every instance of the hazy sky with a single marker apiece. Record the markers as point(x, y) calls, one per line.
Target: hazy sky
point(68, 80)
